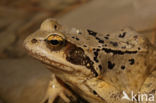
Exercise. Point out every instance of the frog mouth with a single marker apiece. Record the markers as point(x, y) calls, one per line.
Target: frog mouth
point(56, 66)
point(49, 62)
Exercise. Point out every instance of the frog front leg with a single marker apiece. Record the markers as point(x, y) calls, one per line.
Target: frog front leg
point(149, 89)
point(57, 88)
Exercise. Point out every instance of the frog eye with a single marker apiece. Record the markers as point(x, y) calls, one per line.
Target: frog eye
point(55, 41)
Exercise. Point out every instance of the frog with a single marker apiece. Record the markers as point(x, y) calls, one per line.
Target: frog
point(100, 67)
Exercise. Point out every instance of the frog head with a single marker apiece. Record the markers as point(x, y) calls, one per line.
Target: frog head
point(69, 50)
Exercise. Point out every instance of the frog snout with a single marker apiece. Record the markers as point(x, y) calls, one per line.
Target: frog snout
point(29, 41)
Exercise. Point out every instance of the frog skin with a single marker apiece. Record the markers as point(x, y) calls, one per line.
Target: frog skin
point(97, 66)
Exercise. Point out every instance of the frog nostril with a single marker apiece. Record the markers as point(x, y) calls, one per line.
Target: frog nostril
point(33, 40)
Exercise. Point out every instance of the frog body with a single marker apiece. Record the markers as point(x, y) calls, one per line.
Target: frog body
point(98, 66)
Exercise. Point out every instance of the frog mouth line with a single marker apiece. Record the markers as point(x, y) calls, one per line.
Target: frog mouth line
point(51, 63)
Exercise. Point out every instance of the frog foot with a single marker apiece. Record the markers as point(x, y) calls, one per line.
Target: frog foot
point(56, 89)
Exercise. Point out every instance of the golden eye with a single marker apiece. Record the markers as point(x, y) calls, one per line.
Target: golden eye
point(55, 41)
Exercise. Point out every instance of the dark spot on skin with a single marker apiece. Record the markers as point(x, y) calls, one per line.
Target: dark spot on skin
point(34, 41)
point(98, 49)
point(122, 67)
point(77, 39)
point(139, 48)
point(122, 35)
point(127, 43)
point(76, 55)
point(94, 49)
point(91, 32)
point(100, 67)
point(99, 46)
point(84, 46)
point(132, 61)
point(106, 37)
point(124, 47)
point(99, 40)
point(94, 92)
point(94, 34)
point(115, 44)
point(118, 51)
point(105, 45)
point(96, 55)
point(110, 65)
point(96, 60)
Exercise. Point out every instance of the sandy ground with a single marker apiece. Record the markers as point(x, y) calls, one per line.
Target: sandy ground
point(23, 79)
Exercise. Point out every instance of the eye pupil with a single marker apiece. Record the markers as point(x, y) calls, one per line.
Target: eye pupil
point(54, 42)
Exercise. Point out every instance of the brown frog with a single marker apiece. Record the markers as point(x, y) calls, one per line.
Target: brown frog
point(100, 67)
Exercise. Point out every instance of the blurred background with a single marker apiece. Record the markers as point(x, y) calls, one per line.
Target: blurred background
point(23, 79)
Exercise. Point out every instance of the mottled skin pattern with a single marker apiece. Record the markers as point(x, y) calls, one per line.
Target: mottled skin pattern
point(96, 66)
